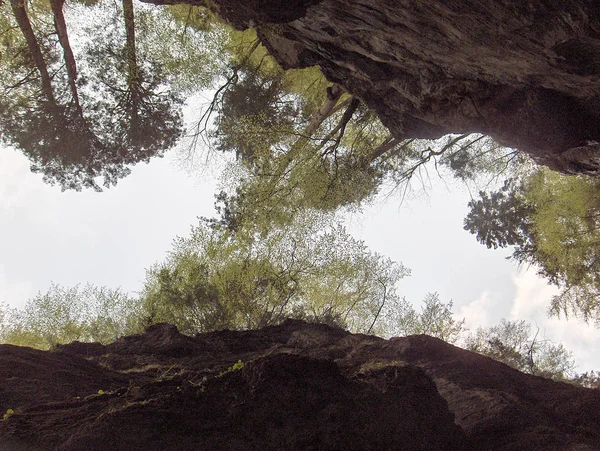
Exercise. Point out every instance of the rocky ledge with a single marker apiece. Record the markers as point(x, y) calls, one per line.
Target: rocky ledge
point(292, 386)
point(525, 72)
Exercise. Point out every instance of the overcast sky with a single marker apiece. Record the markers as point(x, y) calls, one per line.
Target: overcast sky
point(109, 238)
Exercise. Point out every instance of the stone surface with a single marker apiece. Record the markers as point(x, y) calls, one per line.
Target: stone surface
point(301, 386)
point(525, 72)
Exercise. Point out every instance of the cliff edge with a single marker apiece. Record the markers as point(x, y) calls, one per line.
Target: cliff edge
point(292, 386)
point(524, 72)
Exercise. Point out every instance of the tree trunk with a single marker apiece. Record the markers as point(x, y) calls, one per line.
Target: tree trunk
point(18, 8)
point(333, 96)
point(133, 72)
point(63, 37)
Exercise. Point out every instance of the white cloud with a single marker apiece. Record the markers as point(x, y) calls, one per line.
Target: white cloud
point(478, 313)
point(16, 178)
point(533, 296)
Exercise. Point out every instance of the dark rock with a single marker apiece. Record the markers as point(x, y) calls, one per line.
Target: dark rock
point(301, 386)
point(525, 72)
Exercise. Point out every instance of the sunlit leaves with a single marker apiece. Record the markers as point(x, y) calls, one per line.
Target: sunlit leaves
point(312, 269)
point(514, 343)
point(186, 42)
point(567, 230)
point(554, 223)
point(62, 315)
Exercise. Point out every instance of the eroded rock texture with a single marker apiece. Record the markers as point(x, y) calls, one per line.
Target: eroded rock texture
point(524, 72)
point(302, 386)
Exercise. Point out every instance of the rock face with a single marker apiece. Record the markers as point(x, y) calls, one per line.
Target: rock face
point(299, 386)
point(525, 72)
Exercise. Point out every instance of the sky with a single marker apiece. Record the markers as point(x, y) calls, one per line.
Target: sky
point(110, 238)
point(427, 235)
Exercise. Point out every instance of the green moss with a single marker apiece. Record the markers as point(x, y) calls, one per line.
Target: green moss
point(235, 367)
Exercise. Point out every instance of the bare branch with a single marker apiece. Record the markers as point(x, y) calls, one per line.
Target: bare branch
point(380, 307)
point(341, 127)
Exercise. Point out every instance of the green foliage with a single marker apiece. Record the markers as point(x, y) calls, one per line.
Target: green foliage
point(186, 42)
point(4, 315)
point(589, 379)
point(235, 367)
point(513, 343)
point(567, 226)
point(501, 218)
point(434, 319)
point(8, 414)
point(254, 112)
point(308, 84)
point(553, 221)
point(62, 315)
point(119, 106)
point(567, 231)
point(312, 269)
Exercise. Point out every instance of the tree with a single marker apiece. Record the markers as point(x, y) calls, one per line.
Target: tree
point(501, 218)
point(312, 269)
point(513, 343)
point(553, 222)
point(136, 106)
point(4, 317)
point(62, 315)
point(187, 42)
point(70, 131)
point(589, 379)
point(306, 143)
point(49, 131)
point(434, 319)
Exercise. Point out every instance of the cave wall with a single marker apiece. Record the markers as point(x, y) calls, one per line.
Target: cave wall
point(525, 72)
point(299, 386)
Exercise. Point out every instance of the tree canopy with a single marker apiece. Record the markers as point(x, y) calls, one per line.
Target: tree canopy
point(553, 222)
point(435, 319)
point(513, 343)
point(80, 120)
point(62, 315)
point(312, 269)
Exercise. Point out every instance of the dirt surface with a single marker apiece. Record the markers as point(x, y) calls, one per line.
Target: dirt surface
point(298, 386)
